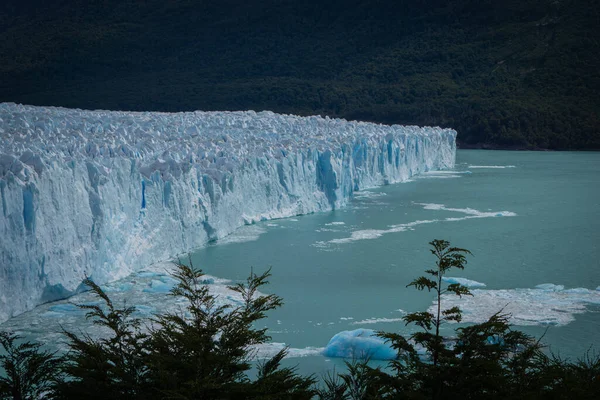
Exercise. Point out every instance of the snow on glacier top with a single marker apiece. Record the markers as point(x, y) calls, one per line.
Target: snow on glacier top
point(32, 137)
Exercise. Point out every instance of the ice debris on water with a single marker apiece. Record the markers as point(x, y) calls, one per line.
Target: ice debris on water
point(46, 322)
point(370, 234)
point(546, 304)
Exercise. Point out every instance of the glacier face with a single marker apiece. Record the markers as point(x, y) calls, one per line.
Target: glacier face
point(103, 193)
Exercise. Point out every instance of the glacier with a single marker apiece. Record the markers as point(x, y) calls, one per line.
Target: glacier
point(105, 193)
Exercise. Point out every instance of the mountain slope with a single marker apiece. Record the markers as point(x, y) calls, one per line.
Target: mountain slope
point(518, 74)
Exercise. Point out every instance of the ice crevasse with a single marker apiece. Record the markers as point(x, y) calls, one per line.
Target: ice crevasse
point(105, 193)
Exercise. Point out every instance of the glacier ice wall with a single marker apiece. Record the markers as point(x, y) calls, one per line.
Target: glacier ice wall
point(102, 193)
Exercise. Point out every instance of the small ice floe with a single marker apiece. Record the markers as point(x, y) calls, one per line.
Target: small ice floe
point(463, 281)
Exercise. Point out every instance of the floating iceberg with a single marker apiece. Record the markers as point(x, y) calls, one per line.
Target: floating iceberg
point(104, 194)
point(357, 344)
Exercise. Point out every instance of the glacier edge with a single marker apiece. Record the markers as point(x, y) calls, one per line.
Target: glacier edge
point(104, 193)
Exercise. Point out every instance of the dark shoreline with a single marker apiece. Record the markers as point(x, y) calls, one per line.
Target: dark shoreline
point(493, 146)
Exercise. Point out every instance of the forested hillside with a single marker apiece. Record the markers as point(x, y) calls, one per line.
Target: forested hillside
point(511, 73)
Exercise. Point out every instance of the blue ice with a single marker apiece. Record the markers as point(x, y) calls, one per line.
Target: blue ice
point(495, 339)
point(359, 343)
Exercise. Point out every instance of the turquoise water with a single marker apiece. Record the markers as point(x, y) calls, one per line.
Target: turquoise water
point(531, 219)
point(553, 238)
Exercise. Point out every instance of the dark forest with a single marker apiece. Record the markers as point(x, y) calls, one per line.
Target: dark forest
point(516, 74)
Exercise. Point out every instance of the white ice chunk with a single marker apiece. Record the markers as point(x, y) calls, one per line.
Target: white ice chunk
point(546, 304)
point(463, 281)
point(270, 349)
point(370, 321)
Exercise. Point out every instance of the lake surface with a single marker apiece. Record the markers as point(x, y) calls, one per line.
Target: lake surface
point(532, 219)
point(529, 218)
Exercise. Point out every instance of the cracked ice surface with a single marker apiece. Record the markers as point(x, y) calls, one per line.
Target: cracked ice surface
point(104, 194)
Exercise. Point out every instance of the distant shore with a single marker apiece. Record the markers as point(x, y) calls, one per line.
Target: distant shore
point(494, 146)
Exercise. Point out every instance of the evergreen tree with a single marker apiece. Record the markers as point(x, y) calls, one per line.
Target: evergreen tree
point(202, 352)
point(206, 353)
point(488, 360)
point(28, 370)
point(114, 366)
point(447, 258)
point(411, 372)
